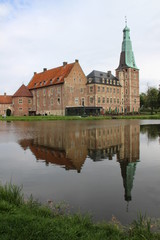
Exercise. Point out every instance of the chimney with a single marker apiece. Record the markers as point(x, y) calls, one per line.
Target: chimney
point(108, 73)
point(76, 60)
point(5, 94)
point(44, 69)
point(35, 73)
point(64, 64)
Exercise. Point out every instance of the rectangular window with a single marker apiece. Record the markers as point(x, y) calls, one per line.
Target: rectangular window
point(114, 100)
point(99, 100)
point(110, 100)
point(91, 89)
point(110, 90)
point(82, 90)
point(71, 89)
point(114, 90)
point(51, 91)
point(103, 100)
point(117, 100)
point(107, 100)
point(135, 100)
point(29, 101)
point(20, 100)
point(58, 90)
point(117, 90)
point(58, 100)
point(103, 89)
point(107, 89)
point(76, 101)
point(98, 89)
point(51, 101)
point(91, 100)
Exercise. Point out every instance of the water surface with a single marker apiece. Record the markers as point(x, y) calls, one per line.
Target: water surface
point(107, 168)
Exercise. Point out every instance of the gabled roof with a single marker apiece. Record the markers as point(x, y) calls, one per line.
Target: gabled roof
point(4, 99)
point(50, 77)
point(23, 91)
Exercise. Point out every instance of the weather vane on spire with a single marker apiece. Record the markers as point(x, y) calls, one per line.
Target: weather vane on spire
point(126, 21)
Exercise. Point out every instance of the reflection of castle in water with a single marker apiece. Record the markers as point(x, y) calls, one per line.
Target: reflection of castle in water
point(69, 148)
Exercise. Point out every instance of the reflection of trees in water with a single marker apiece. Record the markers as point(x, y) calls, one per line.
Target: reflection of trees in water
point(152, 131)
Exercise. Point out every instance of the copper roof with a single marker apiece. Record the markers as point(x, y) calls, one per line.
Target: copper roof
point(23, 91)
point(50, 77)
point(4, 99)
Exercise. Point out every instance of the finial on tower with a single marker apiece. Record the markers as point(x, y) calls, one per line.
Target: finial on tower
point(126, 21)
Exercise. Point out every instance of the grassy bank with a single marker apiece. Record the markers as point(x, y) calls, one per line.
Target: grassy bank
point(53, 118)
point(21, 219)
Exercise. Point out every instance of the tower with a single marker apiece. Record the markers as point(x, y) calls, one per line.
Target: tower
point(128, 75)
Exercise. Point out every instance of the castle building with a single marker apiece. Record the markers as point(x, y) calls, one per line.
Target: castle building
point(66, 90)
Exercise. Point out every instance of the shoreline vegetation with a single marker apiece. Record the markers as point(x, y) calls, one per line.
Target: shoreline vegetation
point(28, 219)
point(53, 118)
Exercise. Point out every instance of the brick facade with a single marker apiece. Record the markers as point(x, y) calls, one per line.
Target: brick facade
point(22, 106)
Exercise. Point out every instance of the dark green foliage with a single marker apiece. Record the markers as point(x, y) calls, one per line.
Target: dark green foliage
point(29, 220)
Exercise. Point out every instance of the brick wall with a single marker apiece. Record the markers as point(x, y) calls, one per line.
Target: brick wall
point(4, 107)
point(22, 106)
point(106, 96)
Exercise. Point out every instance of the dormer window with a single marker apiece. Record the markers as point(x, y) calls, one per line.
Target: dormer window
point(44, 82)
point(58, 79)
point(50, 81)
point(90, 80)
point(40, 84)
point(35, 84)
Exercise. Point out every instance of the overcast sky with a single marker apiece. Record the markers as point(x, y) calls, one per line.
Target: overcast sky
point(43, 33)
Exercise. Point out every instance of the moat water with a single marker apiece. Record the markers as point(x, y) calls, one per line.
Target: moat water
point(105, 168)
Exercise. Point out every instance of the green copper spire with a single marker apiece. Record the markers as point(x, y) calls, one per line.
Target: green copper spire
point(127, 55)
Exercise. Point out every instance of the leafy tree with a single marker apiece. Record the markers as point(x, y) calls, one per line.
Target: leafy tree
point(152, 98)
point(158, 101)
point(143, 100)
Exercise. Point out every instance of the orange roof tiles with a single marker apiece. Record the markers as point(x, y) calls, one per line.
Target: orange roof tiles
point(23, 91)
point(50, 77)
point(4, 99)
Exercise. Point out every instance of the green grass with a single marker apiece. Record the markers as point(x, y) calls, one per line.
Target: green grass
point(29, 220)
point(53, 118)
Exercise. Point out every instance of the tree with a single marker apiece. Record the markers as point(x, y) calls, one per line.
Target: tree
point(152, 98)
point(158, 101)
point(143, 100)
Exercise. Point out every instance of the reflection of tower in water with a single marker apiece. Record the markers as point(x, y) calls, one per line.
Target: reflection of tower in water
point(130, 158)
point(128, 172)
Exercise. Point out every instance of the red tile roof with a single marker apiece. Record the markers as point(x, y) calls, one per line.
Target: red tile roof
point(4, 99)
point(23, 91)
point(50, 77)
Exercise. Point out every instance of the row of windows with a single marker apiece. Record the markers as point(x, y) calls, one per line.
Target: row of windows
point(103, 89)
point(105, 81)
point(105, 100)
point(51, 101)
point(50, 92)
point(20, 101)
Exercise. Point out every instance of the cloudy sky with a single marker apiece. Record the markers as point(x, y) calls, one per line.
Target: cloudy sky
point(43, 33)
